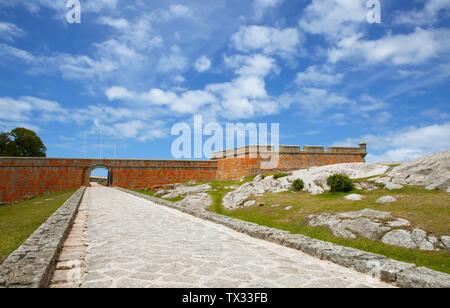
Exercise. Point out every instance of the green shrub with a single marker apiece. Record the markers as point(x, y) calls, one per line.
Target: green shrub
point(298, 185)
point(280, 175)
point(340, 183)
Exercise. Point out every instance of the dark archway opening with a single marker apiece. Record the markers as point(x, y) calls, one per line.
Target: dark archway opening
point(100, 176)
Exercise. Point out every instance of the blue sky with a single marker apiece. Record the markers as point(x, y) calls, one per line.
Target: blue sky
point(134, 68)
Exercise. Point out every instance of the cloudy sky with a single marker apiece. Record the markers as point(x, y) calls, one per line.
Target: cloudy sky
point(133, 68)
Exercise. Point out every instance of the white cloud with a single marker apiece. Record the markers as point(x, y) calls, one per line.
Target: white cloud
point(179, 10)
point(174, 61)
point(254, 65)
point(431, 12)
point(203, 64)
point(283, 42)
point(334, 19)
point(267, 3)
point(9, 31)
point(319, 76)
point(25, 111)
point(262, 6)
point(118, 23)
point(407, 144)
point(414, 48)
point(6, 52)
point(315, 101)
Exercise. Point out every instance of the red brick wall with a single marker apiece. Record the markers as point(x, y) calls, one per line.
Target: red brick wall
point(21, 178)
point(235, 168)
point(27, 177)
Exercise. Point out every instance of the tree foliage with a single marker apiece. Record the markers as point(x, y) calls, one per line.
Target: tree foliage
point(21, 142)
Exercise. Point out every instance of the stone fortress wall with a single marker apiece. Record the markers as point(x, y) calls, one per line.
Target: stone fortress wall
point(22, 178)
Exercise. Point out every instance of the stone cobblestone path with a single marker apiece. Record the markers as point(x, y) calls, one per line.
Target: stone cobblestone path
point(135, 243)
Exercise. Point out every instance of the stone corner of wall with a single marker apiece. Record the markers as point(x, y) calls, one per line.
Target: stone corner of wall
point(32, 264)
point(401, 274)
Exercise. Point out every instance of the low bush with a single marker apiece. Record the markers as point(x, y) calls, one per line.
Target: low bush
point(277, 176)
point(298, 185)
point(340, 183)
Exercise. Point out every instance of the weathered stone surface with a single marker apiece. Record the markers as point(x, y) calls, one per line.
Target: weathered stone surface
point(387, 184)
point(389, 270)
point(446, 242)
point(399, 238)
point(420, 237)
point(375, 225)
point(261, 185)
point(354, 197)
point(199, 200)
point(32, 264)
point(163, 247)
point(432, 172)
point(183, 190)
point(315, 179)
point(422, 278)
point(386, 199)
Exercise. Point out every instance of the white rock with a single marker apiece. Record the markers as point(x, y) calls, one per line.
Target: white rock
point(198, 201)
point(315, 179)
point(446, 242)
point(289, 208)
point(399, 238)
point(182, 190)
point(388, 184)
point(432, 172)
point(386, 199)
point(399, 223)
point(420, 237)
point(354, 197)
point(250, 203)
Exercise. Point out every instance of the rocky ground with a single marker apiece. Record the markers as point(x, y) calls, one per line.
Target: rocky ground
point(315, 180)
point(432, 172)
point(379, 226)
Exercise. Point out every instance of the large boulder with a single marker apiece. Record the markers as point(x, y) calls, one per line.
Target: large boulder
point(184, 190)
point(196, 201)
point(315, 179)
point(432, 172)
point(377, 226)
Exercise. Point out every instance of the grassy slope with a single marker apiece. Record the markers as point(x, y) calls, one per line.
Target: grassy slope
point(19, 221)
point(429, 210)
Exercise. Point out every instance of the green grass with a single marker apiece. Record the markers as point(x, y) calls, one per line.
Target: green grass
point(220, 189)
point(429, 210)
point(18, 221)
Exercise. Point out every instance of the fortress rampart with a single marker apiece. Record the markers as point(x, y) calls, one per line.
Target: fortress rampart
point(22, 178)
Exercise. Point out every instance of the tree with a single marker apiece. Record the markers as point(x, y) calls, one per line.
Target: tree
point(5, 144)
point(22, 142)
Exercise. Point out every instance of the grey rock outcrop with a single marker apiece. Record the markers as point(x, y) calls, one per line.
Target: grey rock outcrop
point(377, 226)
point(315, 180)
point(183, 190)
point(198, 201)
point(432, 172)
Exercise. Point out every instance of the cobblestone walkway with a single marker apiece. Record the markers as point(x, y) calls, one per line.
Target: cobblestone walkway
point(135, 243)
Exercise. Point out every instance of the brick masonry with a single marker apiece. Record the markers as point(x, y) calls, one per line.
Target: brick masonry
point(22, 178)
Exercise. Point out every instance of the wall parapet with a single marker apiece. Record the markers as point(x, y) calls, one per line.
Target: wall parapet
point(33, 263)
point(290, 150)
